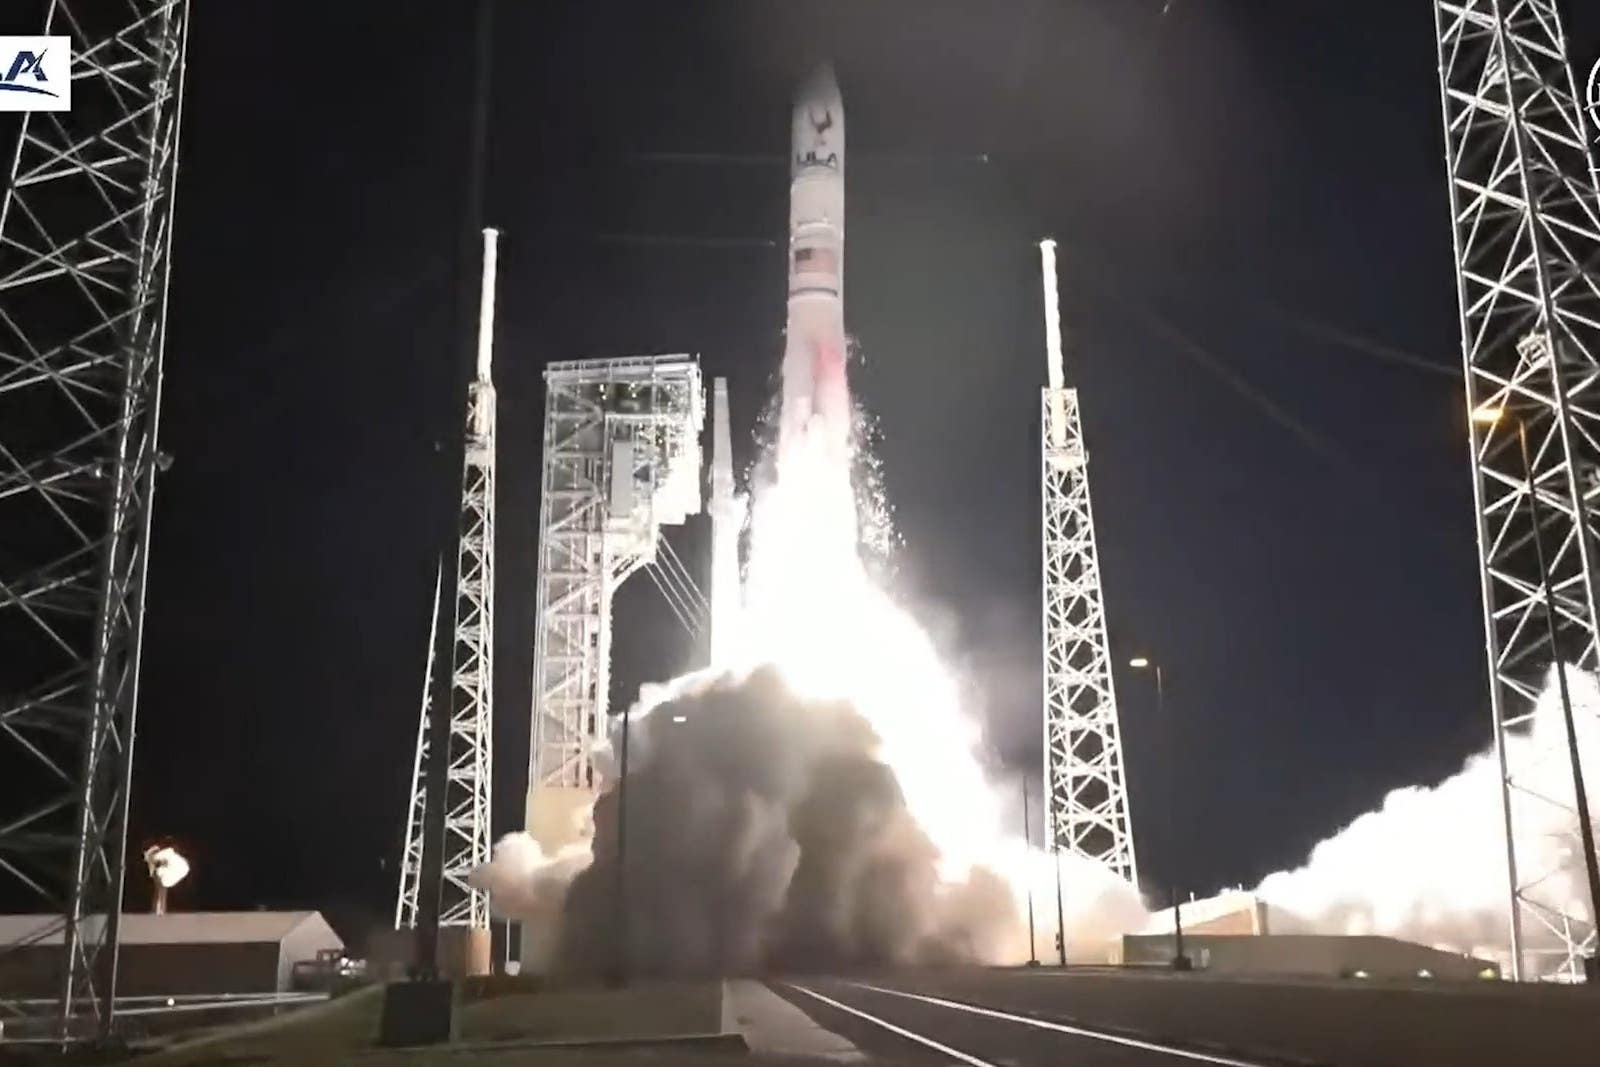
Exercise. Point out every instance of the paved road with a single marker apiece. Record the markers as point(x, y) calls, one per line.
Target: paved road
point(1091, 1017)
point(890, 1020)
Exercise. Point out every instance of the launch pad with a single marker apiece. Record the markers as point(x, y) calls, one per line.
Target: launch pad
point(622, 463)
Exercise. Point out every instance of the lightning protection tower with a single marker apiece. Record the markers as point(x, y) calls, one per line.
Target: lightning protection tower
point(1526, 221)
point(86, 222)
point(621, 461)
point(726, 519)
point(469, 769)
point(1085, 789)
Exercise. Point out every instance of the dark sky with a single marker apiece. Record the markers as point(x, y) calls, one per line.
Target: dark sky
point(1213, 177)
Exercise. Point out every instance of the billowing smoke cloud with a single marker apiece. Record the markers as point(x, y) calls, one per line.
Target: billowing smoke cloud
point(762, 833)
point(1429, 865)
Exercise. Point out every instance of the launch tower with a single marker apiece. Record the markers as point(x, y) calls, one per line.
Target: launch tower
point(621, 461)
point(1525, 206)
point(86, 221)
point(1085, 790)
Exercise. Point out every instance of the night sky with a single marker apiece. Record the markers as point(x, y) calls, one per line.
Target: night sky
point(1285, 522)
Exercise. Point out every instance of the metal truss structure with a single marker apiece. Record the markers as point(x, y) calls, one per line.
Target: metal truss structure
point(1526, 220)
point(621, 460)
point(407, 902)
point(1085, 788)
point(469, 780)
point(85, 248)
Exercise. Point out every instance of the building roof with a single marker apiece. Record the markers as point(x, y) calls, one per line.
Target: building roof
point(179, 927)
point(1205, 910)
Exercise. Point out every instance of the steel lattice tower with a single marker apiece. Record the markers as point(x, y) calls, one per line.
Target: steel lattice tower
point(1085, 789)
point(469, 773)
point(1526, 214)
point(85, 249)
point(621, 460)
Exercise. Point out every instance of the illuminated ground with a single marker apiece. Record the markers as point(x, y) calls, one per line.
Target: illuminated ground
point(1087, 1018)
point(1259, 1022)
point(489, 1028)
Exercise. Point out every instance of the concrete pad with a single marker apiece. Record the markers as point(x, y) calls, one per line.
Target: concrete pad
point(647, 1010)
point(773, 1026)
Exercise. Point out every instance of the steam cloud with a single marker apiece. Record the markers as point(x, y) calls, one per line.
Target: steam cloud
point(1429, 865)
point(763, 833)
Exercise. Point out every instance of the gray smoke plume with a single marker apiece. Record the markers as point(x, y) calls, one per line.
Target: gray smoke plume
point(763, 834)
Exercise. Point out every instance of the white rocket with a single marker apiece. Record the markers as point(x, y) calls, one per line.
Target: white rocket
point(816, 393)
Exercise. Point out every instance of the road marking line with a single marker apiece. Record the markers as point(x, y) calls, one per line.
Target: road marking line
point(1044, 1024)
point(892, 1028)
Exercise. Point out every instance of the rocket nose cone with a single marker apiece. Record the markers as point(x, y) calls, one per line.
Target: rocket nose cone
point(818, 123)
point(821, 87)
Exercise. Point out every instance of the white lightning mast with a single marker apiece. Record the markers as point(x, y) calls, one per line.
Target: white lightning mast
point(1085, 789)
point(1525, 206)
point(725, 522)
point(469, 773)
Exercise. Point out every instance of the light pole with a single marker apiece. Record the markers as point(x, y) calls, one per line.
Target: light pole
point(1027, 842)
point(1491, 415)
point(1180, 962)
point(1061, 915)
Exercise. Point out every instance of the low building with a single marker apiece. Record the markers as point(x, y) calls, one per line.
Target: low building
point(1308, 956)
point(1232, 912)
point(177, 953)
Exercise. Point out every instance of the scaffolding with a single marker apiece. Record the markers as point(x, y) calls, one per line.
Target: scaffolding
point(621, 461)
point(85, 247)
point(1526, 222)
point(1085, 789)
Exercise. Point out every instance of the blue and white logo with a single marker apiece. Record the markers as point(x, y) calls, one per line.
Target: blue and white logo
point(35, 73)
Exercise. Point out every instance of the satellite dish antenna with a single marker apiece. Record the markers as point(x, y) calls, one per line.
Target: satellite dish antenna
point(167, 869)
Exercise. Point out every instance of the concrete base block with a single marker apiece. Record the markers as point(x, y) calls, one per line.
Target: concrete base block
point(417, 1013)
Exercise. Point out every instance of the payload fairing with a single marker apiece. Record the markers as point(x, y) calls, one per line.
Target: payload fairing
point(816, 392)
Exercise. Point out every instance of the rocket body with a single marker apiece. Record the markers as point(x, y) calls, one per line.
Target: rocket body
point(816, 391)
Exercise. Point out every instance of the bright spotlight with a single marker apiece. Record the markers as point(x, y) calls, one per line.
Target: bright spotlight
point(167, 867)
point(1139, 662)
point(1488, 414)
point(680, 718)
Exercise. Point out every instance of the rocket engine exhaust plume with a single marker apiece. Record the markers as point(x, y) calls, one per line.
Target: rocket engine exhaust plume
point(816, 798)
